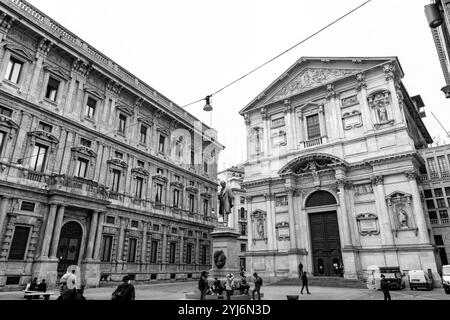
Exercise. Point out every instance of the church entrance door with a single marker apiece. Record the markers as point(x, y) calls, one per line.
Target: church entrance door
point(69, 246)
point(326, 246)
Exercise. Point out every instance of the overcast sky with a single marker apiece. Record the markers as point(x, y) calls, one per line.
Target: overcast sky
point(188, 49)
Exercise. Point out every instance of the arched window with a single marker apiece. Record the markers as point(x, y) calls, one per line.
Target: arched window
point(320, 198)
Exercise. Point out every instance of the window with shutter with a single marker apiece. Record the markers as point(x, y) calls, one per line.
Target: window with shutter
point(313, 127)
point(19, 243)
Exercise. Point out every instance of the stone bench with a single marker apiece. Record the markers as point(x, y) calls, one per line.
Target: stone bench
point(29, 295)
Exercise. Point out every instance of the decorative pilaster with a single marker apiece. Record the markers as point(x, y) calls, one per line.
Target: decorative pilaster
point(6, 22)
point(343, 186)
point(98, 237)
point(292, 235)
point(121, 239)
point(164, 246)
point(48, 230)
point(361, 79)
point(91, 238)
point(144, 243)
point(271, 237)
point(418, 209)
point(181, 245)
point(387, 237)
point(265, 118)
point(57, 232)
point(3, 208)
point(290, 124)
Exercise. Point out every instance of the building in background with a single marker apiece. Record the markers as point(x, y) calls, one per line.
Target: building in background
point(436, 194)
point(98, 169)
point(438, 16)
point(332, 171)
point(234, 177)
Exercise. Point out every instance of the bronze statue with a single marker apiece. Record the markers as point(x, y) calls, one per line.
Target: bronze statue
point(225, 201)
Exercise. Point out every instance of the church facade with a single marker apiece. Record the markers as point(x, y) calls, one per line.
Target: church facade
point(333, 170)
point(98, 170)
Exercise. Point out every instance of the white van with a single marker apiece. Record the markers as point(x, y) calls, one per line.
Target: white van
point(419, 279)
point(446, 278)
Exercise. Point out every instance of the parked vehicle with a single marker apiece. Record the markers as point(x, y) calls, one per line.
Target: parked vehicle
point(446, 278)
point(420, 279)
point(394, 276)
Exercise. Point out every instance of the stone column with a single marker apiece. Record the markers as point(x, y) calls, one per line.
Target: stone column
point(323, 124)
point(387, 237)
point(181, 245)
point(248, 201)
point(98, 237)
point(121, 238)
point(57, 232)
point(301, 131)
point(197, 248)
point(48, 230)
point(270, 221)
point(343, 218)
point(362, 97)
point(292, 235)
point(266, 119)
point(92, 232)
point(144, 243)
point(3, 208)
point(418, 209)
point(290, 137)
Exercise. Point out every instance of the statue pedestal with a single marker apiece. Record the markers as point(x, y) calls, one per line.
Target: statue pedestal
point(225, 239)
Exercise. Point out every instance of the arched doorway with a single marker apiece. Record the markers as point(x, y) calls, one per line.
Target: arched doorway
point(325, 243)
point(69, 245)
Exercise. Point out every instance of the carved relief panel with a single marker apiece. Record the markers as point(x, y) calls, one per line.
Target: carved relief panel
point(380, 103)
point(259, 223)
point(401, 211)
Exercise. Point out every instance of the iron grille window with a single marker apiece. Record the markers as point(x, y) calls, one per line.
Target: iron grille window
point(52, 89)
point(106, 248)
point(438, 193)
point(116, 180)
point(90, 108)
point(154, 251)
point(433, 215)
point(81, 167)
point(14, 70)
point(432, 165)
point(39, 157)
point(190, 233)
point(313, 127)
point(143, 135)
point(191, 203)
point(85, 142)
point(132, 242)
point(438, 240)
point(430, 204)
point(14, 280)
point(134, 224)
point(243, 247)
point(204, 254)
point(45, 127)
point(205, 167)
point(27, 206)
point(159, 190)
point(281, 201)
point(205, 207)
point(162, 142)
point(176, 198)
point(440, 203)
point(5, 112)
point(443, 214)
point(429, 194)
point(19, 243)
point(189, 253)
point(122, 123)
point(156, 227)
point(243, 227)
point(443, 166)
point(139, 184)
point(447, 191)
point(173, 247)
point(110, 220)
point(174, 230)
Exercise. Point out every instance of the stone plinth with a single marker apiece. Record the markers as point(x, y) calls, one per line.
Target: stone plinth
point(225, 239)
point(90, 270)
point(46, 268)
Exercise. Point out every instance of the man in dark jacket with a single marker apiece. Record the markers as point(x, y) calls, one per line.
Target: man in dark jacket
point(125, 291)
point(385, 288)
point(203, 284)
point(258, 284)
point(305, 283)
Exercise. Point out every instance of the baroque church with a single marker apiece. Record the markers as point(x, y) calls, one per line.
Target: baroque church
point(333, 171)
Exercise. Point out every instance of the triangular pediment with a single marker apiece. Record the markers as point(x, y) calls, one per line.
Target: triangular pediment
point(57, 72)
point(19, 50)
point(310, 73)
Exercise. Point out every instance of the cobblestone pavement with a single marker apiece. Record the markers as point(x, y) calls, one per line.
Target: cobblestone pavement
point(177, 291)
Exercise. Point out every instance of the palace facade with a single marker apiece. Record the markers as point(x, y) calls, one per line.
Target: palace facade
point(333, 171)
point(98, 170)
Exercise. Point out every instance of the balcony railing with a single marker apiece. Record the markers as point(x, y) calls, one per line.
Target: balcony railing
point(434, 221)
point(445, 221)
point(35, 176)
point(313, 142)
point(445, 174)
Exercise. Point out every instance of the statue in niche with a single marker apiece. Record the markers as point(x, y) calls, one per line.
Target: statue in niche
point(258, 140)
point(382, 112)
point(260, 228)
point(402, 219)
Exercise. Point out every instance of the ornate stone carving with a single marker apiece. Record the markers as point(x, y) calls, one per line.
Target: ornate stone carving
point(377, 180)
point(389, 71)
point(361, 79)
point(368, 224)
point(412, 175)
point(220, 259)
point(344, 184)
point(351, 120)
point(247, 119)
point(113, 87)
point(269, 196)
point(44, 136)
point(361, 189)
point(140, 171)
point(309, 78)
point(283, 232)
point(44, 46)
point(287, 106)
point(264, 114)
point(81, 67)
point(401, 209)
point(258, 218)
point(117, 162)
point(331, 91)
point(350, 101)
point(6, 22)
point(380, 103)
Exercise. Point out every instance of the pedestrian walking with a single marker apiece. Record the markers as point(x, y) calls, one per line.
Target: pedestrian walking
point(203, 284)
point(385, 288)
point(300, 270)
point(258, 284)
point(229, 285)
point(125, 291)
point(244, 284)
point(305, 283)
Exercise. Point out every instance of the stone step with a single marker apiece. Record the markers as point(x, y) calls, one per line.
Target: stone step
point(324, 282)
